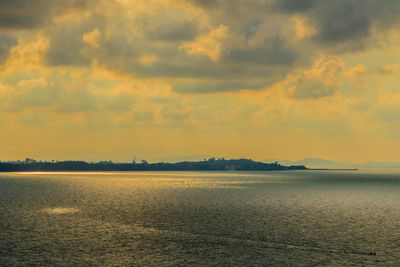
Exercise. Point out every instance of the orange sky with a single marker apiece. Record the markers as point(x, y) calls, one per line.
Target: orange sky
point(176, 79)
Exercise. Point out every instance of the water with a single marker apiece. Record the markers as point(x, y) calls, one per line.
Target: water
point(200, 218)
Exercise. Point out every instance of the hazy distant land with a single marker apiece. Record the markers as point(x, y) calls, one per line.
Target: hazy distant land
point(315, 163)
point(211, 164)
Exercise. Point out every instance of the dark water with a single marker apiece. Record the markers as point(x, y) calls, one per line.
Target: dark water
point(201, 218)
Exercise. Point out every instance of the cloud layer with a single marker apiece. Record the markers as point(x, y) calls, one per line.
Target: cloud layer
point(181, 67)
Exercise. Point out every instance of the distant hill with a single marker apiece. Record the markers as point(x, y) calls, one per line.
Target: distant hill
point(330, 164)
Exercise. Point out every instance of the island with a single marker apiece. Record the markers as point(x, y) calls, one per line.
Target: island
point(211, 164)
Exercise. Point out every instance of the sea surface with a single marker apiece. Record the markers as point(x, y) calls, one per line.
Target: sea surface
point(287, 218)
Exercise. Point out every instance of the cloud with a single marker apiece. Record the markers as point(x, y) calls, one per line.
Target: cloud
point(208, 44)
point(36, 92)
point(213, 87)
point(345, 25)
point(390, 69)
point(121, 49)
point(143, 116)
point(177, 46)
point(238, 9)
point(169, 23)
point(295, 6)
point(264, 43)
point(311, 88)
point(69, 40)
point(387, 108)
point(273, 53)
point(27, 14)
point(148, 59)
point(173, 31)
point(205, 3)
point(6, 43)
point(322, 80)
point(73, 92)
point(342, 25)
point(33, 83)
point(303, 28)
point(92, 38)
point(5, 94)
point(340, 21)
point(175, 113)
point(204, 74)
point(120, 102)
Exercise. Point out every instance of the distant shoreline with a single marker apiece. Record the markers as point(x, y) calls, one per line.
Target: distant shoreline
point(172, 170)
point(326, 169)
point(211, 164)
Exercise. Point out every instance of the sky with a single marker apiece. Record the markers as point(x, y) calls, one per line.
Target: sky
point(187, 79)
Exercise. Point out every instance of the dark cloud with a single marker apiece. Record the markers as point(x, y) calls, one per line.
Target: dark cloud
point(66, 43)
point(258, 45)
point(6, 43)
point(28, 14)
point(341, 21)
point(345, 24)
point(233, 10)
point(198, 69)
point(294, 5)
point(67, 52)
point(250, 26)
point(272, 54)
point(205, 3)
point(168, 25)
point(173, 31)
point(121, 52)
point(233, 5)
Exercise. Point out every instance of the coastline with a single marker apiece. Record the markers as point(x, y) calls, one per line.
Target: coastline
point(206, 165)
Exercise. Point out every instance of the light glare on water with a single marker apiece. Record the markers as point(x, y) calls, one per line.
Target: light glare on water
point(60, 210)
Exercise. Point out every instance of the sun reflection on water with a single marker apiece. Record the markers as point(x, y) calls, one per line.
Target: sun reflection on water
point(60, 210)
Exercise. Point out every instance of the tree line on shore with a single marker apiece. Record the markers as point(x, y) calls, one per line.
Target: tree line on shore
point(211, 164)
